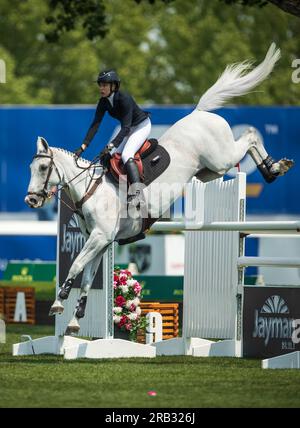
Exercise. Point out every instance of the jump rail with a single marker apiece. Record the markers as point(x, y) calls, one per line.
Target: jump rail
point(247, 227)
point(49, 228)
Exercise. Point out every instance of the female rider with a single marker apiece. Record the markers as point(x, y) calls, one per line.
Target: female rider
point(135, 128)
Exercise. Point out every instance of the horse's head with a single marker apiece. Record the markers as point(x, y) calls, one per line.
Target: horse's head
point(44, 174)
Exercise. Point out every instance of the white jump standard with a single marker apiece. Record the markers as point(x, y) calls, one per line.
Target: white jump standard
point(214, 269)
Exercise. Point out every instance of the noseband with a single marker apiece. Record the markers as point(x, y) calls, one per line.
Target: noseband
point(44, 193)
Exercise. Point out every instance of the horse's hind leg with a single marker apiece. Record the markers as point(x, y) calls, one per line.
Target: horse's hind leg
point(269, 168)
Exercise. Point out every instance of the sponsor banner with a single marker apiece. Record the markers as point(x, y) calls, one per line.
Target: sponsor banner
point(161, 288)
point(71, 242)
point(269, 326)
point(30, 272)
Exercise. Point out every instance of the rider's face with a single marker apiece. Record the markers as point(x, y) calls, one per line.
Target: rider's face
point(105, 89)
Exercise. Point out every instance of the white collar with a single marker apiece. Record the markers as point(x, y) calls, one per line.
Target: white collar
point(111, 98)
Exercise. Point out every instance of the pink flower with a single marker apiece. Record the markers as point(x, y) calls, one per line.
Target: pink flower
point(115, 285)
point(137, 288)
point(132, 308)
point(122, 279)
point(126, 272)
point(120, 301)
point(123, 320)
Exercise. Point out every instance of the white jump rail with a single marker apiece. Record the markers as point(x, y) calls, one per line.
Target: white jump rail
point(247, 227)
point(49, 228)
point(28, 228)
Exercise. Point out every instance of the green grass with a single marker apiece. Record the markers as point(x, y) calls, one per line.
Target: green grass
point(49, 381)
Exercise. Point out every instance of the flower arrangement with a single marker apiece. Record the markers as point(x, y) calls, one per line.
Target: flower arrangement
point(127, 298)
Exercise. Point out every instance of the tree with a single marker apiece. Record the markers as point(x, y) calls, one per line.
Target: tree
point(164, 54)
point(289, 6)
point(16, 90)
point(65, 14)
point(195, 44)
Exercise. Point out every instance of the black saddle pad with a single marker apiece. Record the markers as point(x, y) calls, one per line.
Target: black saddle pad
point(155, 164)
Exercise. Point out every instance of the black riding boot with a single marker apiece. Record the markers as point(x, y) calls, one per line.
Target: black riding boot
point(135, 195)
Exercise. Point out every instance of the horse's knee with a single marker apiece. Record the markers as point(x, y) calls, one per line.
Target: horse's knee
point(85, 286)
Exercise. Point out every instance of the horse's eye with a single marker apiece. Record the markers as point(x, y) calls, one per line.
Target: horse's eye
point(43, 168)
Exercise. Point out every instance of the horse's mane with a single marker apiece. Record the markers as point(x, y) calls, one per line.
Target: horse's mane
point(67, 152)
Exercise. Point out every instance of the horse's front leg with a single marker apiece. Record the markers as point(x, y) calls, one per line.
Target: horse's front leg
point(89, 274)
point(94, 245)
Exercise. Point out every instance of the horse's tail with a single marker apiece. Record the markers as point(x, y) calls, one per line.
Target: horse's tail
point(234, 82)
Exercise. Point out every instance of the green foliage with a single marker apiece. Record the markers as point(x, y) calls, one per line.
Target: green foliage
point(90, 13)
point(259, 3)
point(288, 6)
point(166, 52)
point(66, 14)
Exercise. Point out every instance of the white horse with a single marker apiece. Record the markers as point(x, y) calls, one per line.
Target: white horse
point(200, 144)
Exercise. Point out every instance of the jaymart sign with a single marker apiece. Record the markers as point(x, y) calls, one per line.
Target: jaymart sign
point(270, 319)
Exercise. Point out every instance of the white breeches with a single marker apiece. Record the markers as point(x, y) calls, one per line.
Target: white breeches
point(134, 140)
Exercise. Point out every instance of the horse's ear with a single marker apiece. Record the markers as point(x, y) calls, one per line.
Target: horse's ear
point(42, 145)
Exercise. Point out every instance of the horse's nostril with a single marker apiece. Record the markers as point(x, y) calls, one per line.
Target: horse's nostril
point(31, 200)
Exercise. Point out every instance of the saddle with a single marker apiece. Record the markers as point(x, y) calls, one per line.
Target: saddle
point(151, 159)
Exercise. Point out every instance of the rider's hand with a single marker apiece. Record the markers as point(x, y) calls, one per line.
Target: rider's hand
point(105, 158)
point(78, 152)
point(110, 148)
point(106, 154)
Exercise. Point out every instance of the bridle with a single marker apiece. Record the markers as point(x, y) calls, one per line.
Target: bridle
point(44, 193)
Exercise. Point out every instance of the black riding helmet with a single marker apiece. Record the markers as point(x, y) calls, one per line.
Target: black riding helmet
point(109, 76)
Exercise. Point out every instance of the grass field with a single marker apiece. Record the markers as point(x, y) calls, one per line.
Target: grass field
point(49, 381)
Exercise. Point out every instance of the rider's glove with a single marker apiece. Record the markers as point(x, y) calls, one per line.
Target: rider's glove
point(105, 158)
point(110, 148)
point(107, 154)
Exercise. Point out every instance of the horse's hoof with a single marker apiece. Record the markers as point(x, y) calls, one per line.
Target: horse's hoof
point(56, 308)
point(73, 327)
point(285, 165)
point(70, 331)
